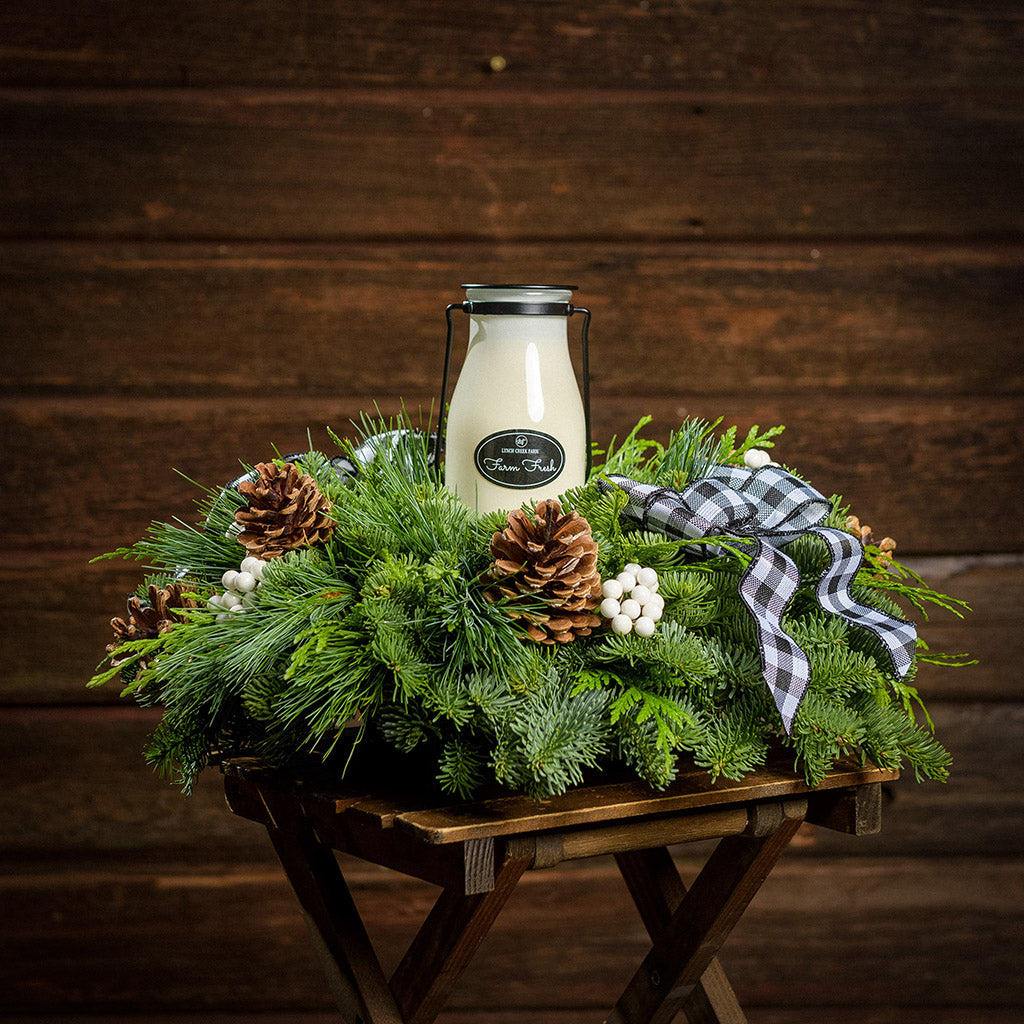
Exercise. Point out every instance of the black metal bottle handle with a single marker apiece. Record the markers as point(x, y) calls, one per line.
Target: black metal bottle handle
point(566, 309)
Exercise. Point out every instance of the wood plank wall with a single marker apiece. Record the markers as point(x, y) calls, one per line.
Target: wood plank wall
point(224, 223)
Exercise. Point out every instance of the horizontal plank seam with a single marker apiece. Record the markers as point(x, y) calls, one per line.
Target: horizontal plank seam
point(888, 245)
point(698, 234)
point(530, 95)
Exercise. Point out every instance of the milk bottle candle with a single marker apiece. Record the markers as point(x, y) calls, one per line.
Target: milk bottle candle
point(517, 431)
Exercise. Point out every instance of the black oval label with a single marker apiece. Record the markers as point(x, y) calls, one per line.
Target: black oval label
point(519, 458)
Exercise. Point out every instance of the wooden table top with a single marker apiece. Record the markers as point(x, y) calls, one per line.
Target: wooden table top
point(433, 818)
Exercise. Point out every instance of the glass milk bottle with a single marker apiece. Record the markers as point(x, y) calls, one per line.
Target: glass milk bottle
point(517, 431)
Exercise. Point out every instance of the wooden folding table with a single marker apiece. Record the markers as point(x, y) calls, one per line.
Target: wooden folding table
point(478, 851)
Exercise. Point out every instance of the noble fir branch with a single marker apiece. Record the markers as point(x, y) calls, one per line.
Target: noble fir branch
point(736, 667)
point(546, 744)
point(673, 648)
point(449, 699)
point(690, 597)
point(733, 743)
point(461, 768)
point(891, 736)
point(405, 728)
point(824, 730)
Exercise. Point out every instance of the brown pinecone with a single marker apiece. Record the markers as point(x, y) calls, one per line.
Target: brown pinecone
point(886, 546)
point(147, 621)
point(551, 556)
point(286, 510)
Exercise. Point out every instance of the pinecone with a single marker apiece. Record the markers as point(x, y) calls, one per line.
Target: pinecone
point(286, 510)
point(886, 546)
point(147, 621)
point(551, 556)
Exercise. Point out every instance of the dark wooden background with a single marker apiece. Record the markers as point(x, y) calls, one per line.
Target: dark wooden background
point(224, 223)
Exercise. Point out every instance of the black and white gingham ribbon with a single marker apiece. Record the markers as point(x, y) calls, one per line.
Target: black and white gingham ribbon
point(773, 507)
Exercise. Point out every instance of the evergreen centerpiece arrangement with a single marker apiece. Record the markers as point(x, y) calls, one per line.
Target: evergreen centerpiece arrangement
point(318, 598)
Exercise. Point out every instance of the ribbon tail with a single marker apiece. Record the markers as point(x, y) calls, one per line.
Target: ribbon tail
point(898, 636)
point(766, 588)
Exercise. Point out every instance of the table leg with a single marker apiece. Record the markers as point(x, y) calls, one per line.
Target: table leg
point(685, 947)
point(448, 939)
point(353, 970)
point(657, 890)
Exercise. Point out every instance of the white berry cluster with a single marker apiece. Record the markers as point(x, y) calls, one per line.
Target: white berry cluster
point(238, 585)
point(632, 602)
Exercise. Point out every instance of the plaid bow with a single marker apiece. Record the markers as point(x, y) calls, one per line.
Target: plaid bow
point(773, 507)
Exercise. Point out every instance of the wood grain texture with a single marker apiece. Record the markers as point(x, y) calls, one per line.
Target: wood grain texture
point(705, 44)
point(912, 467)
point(531, 1015)
point(670, 973)
point(657, 890)
point(354, 974)
point(223, 224)
point(871, 933)
point(328, 165)
point(152, 319)
point(75, 785)
point(616, 802)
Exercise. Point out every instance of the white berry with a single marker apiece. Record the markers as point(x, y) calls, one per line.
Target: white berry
point(655, 601)
point(755, 458)
point(253, 565)
point(228, 579)
point(622, 624)
point(612, 589)
point(627, 579)
point(640, 594)
point(223, 616)
point(229, 601)
point(213, 601)
point(631, 608)
point(244, 582)
point(644, 626)
point(610, 608)
point(651, 611)
point(237, 609)
point(632, 568)
point(647, 578)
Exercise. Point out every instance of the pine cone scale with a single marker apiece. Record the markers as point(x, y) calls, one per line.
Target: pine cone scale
point(144, 622)
point(549, 557)
point(286, 510)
